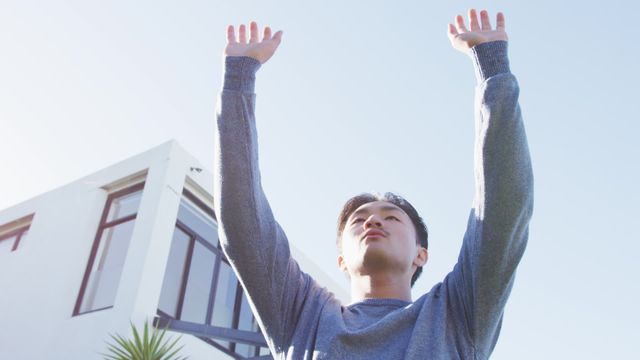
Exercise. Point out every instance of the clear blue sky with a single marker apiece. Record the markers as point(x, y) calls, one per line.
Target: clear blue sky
point(357, 86)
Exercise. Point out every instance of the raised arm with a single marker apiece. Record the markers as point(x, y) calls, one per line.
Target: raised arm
point(251, 238)
point(497, 230)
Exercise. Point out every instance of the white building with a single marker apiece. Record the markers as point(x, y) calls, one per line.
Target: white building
point(136, 241)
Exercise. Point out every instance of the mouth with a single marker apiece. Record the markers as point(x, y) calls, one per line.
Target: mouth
point(373, 233)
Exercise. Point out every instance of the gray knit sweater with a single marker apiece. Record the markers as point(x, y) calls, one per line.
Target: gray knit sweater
point(459, 318)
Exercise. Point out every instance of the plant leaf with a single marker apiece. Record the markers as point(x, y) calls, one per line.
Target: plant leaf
point(145, 346)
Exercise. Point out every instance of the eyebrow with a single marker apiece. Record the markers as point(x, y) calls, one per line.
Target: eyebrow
point(383, 208)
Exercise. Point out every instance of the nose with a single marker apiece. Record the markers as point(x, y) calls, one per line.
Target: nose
point(372, 221)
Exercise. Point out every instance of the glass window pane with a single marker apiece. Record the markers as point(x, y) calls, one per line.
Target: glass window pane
point(124, 205)
point(174, 273)
point(265, 351)
point(196, 297)
point(107, 267)
point(225, 297)
point(226, 344)
point(198, 221)
point(246, 320)
point(7, 244)
point(245, 350)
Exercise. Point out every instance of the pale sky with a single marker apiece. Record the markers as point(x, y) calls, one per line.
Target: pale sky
point(357, 86)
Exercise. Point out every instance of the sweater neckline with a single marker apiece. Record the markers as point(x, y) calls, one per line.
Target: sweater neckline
point(380, 302)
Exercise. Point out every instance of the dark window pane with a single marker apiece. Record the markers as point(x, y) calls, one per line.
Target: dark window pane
point(174, 273)
point(124, 205)
point(198, 221)
point(225, 297)
point(107, 267)
point(7, 244)
point(196, 298)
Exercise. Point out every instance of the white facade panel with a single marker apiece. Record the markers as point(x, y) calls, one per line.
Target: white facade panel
point(41, 279)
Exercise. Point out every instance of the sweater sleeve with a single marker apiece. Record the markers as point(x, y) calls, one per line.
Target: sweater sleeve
point(497, 230)
point(253, 241)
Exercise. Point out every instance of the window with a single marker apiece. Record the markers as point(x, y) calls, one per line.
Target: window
point(14, 234)
point(199, 285)
point(102, 276)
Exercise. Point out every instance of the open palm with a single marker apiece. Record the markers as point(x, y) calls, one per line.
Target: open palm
point(261, 50)
point(464, 39)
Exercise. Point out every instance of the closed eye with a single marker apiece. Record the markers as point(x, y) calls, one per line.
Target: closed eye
point(392, 217)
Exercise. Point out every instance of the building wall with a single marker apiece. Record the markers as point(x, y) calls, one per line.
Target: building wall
point(39, 282)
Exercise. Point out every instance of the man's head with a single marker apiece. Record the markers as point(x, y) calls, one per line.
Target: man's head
point(381, 231)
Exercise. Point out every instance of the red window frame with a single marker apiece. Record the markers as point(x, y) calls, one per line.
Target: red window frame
point(20, 231)
point(104, 225)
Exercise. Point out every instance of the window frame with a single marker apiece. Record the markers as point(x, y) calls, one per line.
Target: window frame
point(104, 225)
point(176, 321)
point(19, 232)
point(18, 228)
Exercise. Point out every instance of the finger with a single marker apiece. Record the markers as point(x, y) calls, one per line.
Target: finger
point(267, 33)
point(460, 24)
point(484, 20)
point(231, 35)
point(500, 21)
point(473, 20)
point(254, 33)
point(278, 37)
point(243, 34)
point(452, 31)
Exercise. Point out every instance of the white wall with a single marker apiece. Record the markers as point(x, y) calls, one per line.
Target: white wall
point(39, 282)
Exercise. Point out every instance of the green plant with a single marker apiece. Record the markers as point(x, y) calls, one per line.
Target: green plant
point(153, 347)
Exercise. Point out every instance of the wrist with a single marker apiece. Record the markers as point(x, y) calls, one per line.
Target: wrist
point(490, 59)
point(240, 73)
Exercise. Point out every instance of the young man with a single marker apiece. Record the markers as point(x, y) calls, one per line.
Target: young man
point(382, 239)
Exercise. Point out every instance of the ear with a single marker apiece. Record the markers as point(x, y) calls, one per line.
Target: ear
point(341, 263)
point(421, 257)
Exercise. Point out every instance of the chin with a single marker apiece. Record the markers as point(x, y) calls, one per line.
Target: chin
point(375, 257)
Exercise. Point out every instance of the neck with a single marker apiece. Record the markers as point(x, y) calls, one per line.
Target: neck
point(380, 286)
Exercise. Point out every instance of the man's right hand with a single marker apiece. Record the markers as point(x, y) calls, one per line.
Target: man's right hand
point(259, 50)
point(464, 39)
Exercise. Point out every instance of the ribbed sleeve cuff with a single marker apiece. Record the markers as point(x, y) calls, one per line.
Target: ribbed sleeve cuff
point(240, 73)
point(490, 59)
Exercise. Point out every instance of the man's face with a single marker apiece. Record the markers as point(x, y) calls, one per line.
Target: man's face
point(380, 237)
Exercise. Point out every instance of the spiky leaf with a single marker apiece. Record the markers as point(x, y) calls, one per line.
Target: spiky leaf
point(145, 346)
